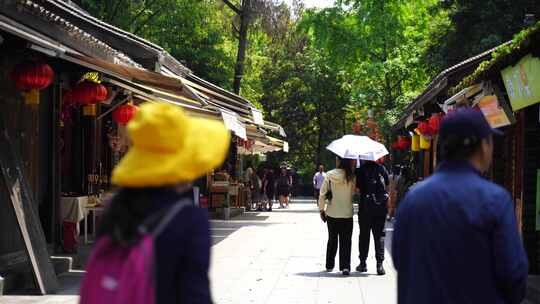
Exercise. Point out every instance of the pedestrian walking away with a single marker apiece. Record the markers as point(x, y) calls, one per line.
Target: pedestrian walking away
point(318, 179)
point(372, 183)
point(269, 186)
point(455, 235)
point(283, 188)
point(153, 245)
point(336, 209)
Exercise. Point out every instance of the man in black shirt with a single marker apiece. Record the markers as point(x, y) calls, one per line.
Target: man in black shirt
point(372, 182)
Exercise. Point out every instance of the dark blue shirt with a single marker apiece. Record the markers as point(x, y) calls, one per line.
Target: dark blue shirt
point(183, 254)
point(455, 240)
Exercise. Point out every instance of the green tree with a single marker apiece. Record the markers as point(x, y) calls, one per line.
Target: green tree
point(476, 26)
point(377, 46)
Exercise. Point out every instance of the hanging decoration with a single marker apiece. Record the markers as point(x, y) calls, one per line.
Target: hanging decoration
point(415, 143)
point(372, 129)
point(425, 142)
point(247, 144)
point(124, 113)
point(404, 142)
point(357, 127)
point(425, 129)
point(31, 77)
point(88, 92)
point(90, 110)
point(435, 122)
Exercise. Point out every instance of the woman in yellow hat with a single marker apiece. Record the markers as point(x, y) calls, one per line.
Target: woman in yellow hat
point(170, 150)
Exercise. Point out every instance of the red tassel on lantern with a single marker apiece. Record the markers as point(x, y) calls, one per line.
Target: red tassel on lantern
point(124, 113)
point(88, 92)
point(32, 76)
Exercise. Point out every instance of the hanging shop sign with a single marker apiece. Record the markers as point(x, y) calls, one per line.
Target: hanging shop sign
point(494, 113)
point(257, 116)
point(522, 82)
point(232, 123)
point(285, 147)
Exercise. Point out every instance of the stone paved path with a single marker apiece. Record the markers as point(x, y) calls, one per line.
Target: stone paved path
point(270, 257)
point(278, 257)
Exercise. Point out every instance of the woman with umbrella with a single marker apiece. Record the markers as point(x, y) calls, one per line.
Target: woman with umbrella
point(336, 209)
point(338, 212)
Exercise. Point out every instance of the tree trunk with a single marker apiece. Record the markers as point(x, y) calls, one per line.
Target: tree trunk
point(242, 45)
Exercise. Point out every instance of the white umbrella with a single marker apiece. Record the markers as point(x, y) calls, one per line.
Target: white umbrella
point(357, 147)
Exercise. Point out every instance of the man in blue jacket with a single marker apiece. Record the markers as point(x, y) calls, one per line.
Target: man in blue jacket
point(455, 238)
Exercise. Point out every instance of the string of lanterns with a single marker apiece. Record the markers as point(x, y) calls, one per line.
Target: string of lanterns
point(421, 136)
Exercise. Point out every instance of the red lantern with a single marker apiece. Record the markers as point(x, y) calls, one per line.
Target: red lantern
point(357, 127)
point(435, 122)
point(88, 92)
point(404, 143)
point(32, 76)
point(371, 124)
point(425, 129)
point(123, 114)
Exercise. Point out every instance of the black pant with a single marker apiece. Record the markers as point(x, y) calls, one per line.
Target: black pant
point(375, 224)
point(341, 228)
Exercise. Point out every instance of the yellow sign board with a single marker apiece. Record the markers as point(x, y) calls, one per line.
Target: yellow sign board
point(522, 82)
point(494, 113)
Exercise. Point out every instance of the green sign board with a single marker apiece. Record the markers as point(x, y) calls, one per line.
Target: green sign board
point(522, 82)
point(538, 201)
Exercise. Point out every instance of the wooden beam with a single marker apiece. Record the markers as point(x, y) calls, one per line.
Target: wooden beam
point(25, 211)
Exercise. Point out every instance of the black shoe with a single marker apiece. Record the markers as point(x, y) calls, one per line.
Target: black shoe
point(346, 272)
point(270, 209)
point(380, 269)
point(362, 267)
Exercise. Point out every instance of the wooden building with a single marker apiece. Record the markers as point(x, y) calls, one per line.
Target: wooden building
point(52, 150)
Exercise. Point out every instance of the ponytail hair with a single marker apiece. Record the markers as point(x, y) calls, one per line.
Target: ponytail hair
point(347, 165)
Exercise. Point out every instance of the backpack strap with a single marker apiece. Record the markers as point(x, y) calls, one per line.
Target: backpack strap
point(155, 225)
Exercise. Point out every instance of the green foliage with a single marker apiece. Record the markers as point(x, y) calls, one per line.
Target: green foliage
point(314, 71)
point(476, 26)
point(377, 46)
point(195, 32)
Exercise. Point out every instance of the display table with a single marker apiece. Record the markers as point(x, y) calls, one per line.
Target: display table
point(219, 191)
point(72, 212)
point(93, 211)
point(72, 208)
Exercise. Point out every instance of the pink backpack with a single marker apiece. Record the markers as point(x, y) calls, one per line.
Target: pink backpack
point(118, 274)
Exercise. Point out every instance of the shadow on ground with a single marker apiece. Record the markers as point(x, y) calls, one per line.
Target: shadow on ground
point(334, 274)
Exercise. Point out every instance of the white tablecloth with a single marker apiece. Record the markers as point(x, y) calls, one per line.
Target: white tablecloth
point(73, 209)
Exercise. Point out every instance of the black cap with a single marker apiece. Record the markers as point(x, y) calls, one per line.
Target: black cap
point(468, 124)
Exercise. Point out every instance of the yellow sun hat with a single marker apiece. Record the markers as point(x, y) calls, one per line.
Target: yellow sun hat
point(170, 147)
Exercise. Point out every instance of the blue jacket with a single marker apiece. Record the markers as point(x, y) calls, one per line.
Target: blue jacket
point(183, 254)
point(455, 240)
